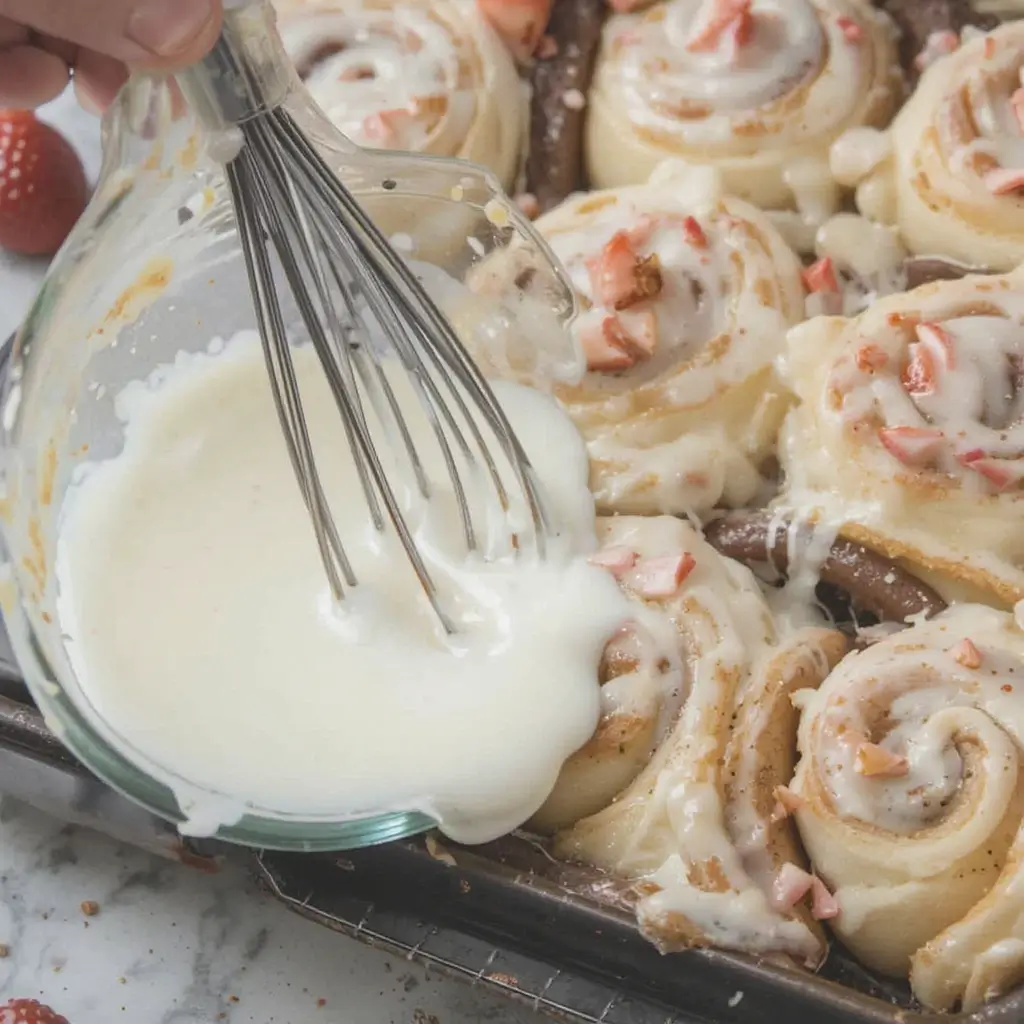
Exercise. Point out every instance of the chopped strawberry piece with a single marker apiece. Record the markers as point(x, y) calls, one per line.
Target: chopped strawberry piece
point(29, 1011)
point(615, 343)
point(617, 560)
point(938, 44)
point(824, 905)
point(966, 653)
point(1002, 181)
point(989, 48)
point(738, 35)
point(620, 277)
point(663, 576)
point(938, 342)
point(647, 279)
point(694, 233)
point(852, 31)
point(876, 762)
point(921, 375)
point(612, 272)
point(729, 20)
point(790, 886)
point(820, 276)
point(640, 233)
point(913, 446)
point(1017, 103)
point(519, 23)
point(790, 800)
point(966, 458)
point(870, 358)
point(786, 803)
point(602, 353)
point(528, 205)
point(547, 47)
point(638, 332)
point(386, 126)
point(1002, 473)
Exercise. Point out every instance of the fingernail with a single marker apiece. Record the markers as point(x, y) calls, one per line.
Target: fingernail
point(166, 27)
point(87, 99)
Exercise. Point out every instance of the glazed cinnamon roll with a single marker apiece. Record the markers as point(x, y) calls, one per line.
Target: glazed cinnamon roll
point(910, 798)
point(909, 435)
point(686, 296)
point(697, 738)
point(950, 172)
point(409, 74)
point(756, 88)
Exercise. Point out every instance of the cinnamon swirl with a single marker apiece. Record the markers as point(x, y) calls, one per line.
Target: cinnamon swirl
point(910, 800)
point(756, 88)
point(432, 77)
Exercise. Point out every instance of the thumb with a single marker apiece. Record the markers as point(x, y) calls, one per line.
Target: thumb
point(149, 32)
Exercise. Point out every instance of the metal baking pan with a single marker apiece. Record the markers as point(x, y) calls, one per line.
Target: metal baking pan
point(558, 937)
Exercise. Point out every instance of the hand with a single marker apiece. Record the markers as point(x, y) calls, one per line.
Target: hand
point(42, 42)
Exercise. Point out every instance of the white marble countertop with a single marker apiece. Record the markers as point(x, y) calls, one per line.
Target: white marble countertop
point(170, 945)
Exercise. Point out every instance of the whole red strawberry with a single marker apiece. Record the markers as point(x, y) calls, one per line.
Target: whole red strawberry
point(28, 1011)
point(42, 185)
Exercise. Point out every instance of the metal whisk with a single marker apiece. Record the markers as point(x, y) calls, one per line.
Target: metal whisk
point(342, 272)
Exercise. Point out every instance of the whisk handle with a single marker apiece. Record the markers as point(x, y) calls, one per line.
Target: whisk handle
point(246, 73)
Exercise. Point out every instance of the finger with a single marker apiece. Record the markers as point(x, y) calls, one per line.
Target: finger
point(150, 32)
point(68, 52)
point(98, 79)
point(30, 77)
point(11, 33)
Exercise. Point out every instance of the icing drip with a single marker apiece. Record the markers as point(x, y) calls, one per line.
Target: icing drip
point(671, 87)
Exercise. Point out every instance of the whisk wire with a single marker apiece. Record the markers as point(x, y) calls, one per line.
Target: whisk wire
point(437, 333)
point(287, 400)
point(356, 355)
point(290, 236)
point(396, 333)
point(295, 249)
point(389, 311)
point(347, 284)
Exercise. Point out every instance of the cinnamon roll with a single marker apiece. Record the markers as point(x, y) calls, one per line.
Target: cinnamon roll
point(950, 171)
point(910, 799)
point(756, 88)
point(696, 741)
point(433, 77)
point(909, 435)
point(686, 296)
